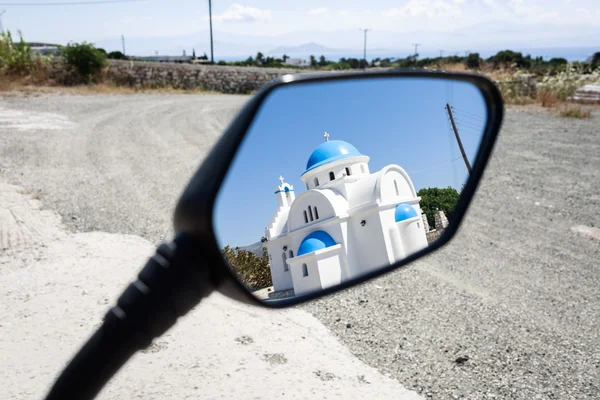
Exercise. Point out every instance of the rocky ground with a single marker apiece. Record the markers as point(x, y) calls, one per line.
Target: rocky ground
point(509, 309)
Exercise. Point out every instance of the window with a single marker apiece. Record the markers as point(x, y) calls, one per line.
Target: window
point(291, 254)
point(331, 176)
point(310, 213)
point(304, 270)
point(396, 186)
point(316, 181)
point(316, 213)
point(362, 168)
point(305, 217)
point(348, 171)
point(284, 258)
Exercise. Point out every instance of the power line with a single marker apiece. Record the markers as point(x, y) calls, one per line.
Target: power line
point(71, 3)
point(466, 112)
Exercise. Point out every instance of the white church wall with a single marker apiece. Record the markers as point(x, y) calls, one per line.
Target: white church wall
point(397, 245)
point(368, 242)
point(280, 273)
point(329, 268)
point(321, 176)
point(413, 235)
point(387, 216)
point(395, 187)
point(328, 204)
point(302, 283)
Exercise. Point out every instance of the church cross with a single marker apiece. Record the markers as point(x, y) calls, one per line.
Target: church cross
point(281, 179)
point(326, 136)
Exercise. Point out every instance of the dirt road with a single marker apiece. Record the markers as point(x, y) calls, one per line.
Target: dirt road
point(510, 309)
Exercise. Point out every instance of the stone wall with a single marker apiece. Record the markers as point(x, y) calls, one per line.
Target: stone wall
point(441, 223)
point(218, 78)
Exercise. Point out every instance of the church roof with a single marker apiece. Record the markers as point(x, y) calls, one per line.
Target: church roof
point(317, 240)
point(405, 211)
point(331, 151)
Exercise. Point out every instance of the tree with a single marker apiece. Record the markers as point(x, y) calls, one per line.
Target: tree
point(260, 58)
point(285, 57)
point(116, 55)
point(322, 61)
point(313, 61)
point(433, 199)
point(193, 54)
point(596, 60)
point(473, 61)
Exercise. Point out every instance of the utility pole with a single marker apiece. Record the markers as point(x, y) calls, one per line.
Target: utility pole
point(123, 43)
point(1, 26)
point(365, 30)
point(462, 150)
point(416, 49)
point(441, 53)
point(212, 59)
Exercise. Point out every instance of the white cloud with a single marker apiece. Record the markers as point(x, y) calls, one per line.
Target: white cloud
point(426, 8)
point(240, 13)
point(317, 11)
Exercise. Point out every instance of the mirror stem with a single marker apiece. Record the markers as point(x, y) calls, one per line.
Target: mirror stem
point(172, 282)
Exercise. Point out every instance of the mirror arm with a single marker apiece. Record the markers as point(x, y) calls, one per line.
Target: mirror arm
point(172, 282)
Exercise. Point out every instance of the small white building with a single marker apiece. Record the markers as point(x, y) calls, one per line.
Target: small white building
point(297, 62)
point(348, 222)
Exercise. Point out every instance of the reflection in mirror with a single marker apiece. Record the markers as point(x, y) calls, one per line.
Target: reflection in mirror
point(339, 178)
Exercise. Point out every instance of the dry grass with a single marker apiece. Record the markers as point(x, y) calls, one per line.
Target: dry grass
point(520, 101)
point(11, 86)
point(547, 98)
point(573, 111)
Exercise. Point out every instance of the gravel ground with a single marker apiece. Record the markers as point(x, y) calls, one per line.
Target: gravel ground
point(510, 309)
point(116, 163)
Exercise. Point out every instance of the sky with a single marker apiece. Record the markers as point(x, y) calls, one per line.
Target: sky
point(248, 25)
point(393, 121)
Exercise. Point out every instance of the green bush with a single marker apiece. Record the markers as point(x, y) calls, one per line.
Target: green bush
point(252, 270)
point(116, 55)
point(17, 58)
point(473, 61)
point(87, 59)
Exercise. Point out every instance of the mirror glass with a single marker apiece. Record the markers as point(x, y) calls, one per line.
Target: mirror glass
point(336, 179)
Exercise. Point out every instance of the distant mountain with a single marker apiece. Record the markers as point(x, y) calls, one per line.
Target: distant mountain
point(306, 48)
point(255, 248)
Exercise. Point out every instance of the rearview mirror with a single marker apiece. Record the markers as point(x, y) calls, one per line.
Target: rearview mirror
point(340, 179)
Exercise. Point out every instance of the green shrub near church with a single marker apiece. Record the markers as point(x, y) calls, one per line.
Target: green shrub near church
point(252, 270)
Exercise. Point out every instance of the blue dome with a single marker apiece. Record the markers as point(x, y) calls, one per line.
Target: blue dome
point(330, 151)
point(317, 240)
point(405, 211)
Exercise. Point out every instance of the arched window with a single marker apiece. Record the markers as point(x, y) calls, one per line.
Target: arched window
point(362, 168)
point(305, 217)
point(310, 213)
point(316, 181)
point(284, 258)
point(348, 171)
point(331, 176)
point(304, 270)
point(396, 186)
point(316, 213)
point(291, 254)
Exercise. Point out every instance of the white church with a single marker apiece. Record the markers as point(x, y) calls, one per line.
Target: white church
point(348, 222)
